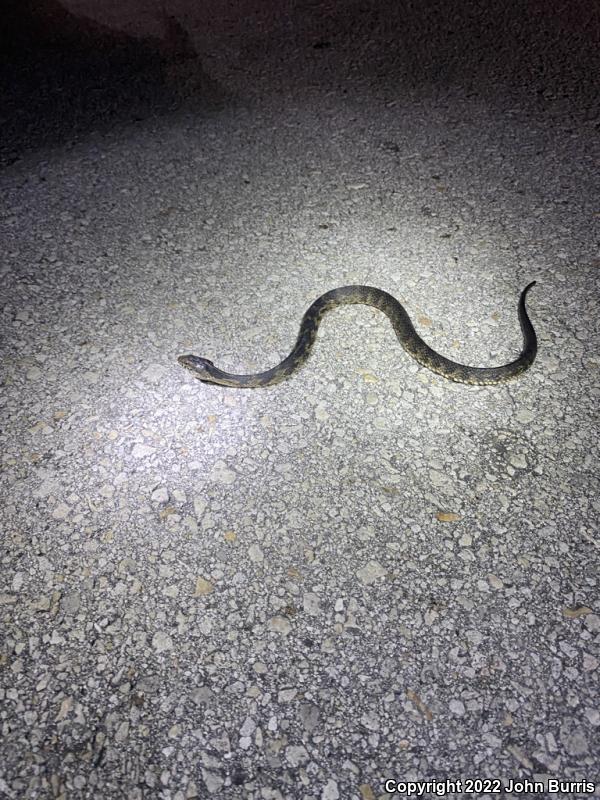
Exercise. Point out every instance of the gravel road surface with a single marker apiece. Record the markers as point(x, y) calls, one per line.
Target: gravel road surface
point(367, 573)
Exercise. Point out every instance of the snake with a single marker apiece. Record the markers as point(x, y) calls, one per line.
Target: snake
point(207, 372)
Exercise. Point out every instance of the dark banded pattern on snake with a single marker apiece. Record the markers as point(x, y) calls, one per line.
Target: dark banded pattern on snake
point(205, 370)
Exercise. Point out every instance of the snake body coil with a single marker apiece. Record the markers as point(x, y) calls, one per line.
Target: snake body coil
point(205, 370)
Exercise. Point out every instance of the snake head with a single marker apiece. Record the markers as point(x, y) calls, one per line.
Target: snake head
point(198, 365)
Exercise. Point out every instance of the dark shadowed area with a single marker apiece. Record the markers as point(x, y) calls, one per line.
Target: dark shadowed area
point(66, 75)
point(71, 68)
